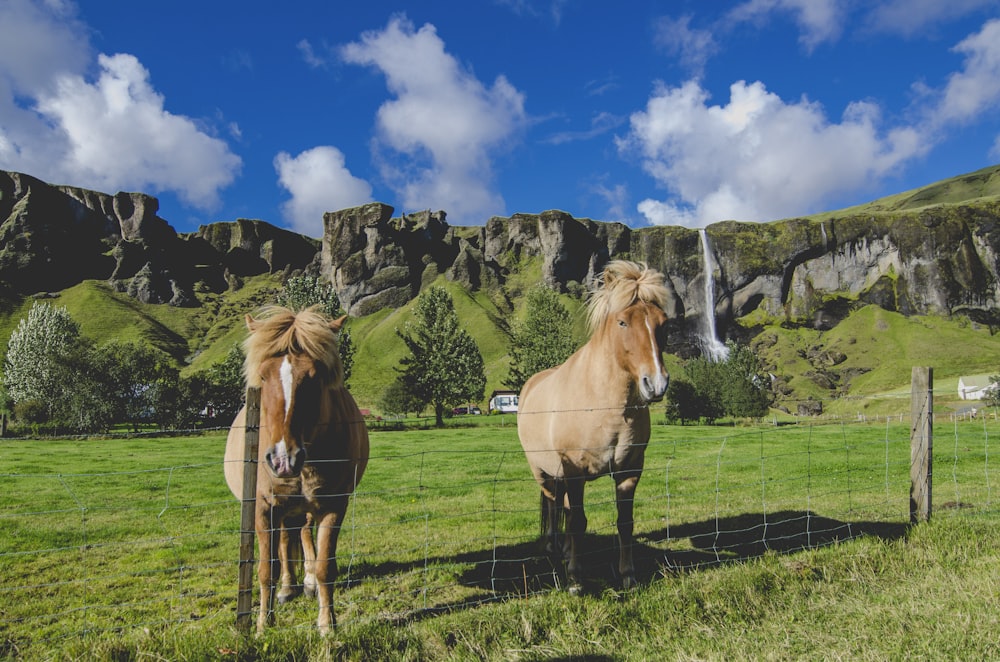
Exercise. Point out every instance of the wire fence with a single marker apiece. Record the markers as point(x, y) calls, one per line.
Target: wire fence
point(143, 533)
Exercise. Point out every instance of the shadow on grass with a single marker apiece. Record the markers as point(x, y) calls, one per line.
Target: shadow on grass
point(516, 571)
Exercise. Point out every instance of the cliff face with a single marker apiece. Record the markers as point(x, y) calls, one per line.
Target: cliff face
point(53, 237)
point(941, 260)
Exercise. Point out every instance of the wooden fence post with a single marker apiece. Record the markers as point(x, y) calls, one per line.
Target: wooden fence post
point(244, 599)
point(921, 443)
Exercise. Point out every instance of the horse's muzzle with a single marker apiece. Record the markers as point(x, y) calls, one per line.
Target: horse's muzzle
point(653, 388)
point(284, 463)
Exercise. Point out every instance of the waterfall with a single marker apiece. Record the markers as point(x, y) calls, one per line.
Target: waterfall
point(822, 229)
point(711, 347)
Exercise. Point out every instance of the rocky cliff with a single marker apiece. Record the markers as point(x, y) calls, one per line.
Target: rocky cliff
point(941, 259)
point(53, 237)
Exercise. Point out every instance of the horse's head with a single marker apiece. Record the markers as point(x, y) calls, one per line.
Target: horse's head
point(294, 360)
point(627, 312)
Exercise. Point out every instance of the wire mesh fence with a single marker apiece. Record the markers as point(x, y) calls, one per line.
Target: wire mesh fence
point(105, 535)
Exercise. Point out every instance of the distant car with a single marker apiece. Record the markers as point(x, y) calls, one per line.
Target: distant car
point(474, 410)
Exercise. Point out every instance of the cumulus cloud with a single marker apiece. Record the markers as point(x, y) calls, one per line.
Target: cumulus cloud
point(756, 157)
point(110, 134)
point(976, 88)
point(437, 138)
point(319, 181)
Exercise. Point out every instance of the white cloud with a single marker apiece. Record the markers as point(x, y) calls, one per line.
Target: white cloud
point(976, 88)
point(319, 181)
point(439, 135)
point(819, 20)
point(757, 157)
point(110, 134)
point(910, 17)
point(692, 47)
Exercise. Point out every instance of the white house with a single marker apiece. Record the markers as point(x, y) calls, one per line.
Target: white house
point(974, 388)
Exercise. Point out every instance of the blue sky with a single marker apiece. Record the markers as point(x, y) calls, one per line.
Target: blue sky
point(683, 113)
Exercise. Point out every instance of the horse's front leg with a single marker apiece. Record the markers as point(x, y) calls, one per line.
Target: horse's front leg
point(625, 499)
point(289, 551)
point(267, 543)
point(327, 531)
point(576, 526)
point(309, 558)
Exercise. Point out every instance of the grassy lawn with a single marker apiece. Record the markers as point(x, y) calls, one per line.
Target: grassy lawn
point(786, 541)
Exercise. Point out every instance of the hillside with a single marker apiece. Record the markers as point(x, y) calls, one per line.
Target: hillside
point(839, 304)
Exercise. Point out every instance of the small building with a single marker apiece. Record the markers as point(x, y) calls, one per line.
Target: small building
point(974, 388)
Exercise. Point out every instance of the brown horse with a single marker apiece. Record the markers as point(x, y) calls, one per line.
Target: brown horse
point(313, 451)
point(589, 417)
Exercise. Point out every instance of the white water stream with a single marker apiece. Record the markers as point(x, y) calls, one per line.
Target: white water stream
point(711, 347)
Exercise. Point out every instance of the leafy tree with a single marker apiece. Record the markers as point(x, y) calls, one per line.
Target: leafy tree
point(707, 379)
point(131, 376)
point(42, 356)
point(301, 292)
point(682, 401)
point(397, 400)
point(445, 366)
point(226, 387)
point(746, 389)
point(992, 394)
point(542, 340)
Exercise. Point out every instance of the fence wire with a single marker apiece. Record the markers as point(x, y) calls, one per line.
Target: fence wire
point(445, 520)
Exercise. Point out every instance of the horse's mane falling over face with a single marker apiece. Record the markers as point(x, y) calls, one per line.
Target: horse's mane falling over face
point(277, 331)
point(622, 284)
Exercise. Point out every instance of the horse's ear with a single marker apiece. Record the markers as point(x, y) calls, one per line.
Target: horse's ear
point(251, 323)
point(338, 323)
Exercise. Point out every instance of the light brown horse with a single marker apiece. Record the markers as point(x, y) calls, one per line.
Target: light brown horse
point(313, 451)
point(589, 417)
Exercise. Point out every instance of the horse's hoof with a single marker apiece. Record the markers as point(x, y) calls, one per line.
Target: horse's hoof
point(310, 586)
point(575, 589)
point(628, 582)
point(287, 595)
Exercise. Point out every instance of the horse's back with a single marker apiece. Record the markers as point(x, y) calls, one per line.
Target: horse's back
point(235, 454)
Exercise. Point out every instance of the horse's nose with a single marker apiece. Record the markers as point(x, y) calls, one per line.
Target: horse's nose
point(285, 463)
point(654, 386)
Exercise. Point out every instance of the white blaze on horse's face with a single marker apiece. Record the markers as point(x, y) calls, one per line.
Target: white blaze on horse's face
point(642, 326)
point(283, 462)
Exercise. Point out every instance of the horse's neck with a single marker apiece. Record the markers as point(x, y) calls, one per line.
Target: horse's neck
point(600, 371)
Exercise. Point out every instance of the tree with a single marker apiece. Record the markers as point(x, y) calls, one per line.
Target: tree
point(445, 366)
point(131, 376)
point(226, 388)
point(992, 393)
point(397, 400)
point(682, 401)
point(542, 340)
point(746, 391)
point(301, 292)
point(42, 355)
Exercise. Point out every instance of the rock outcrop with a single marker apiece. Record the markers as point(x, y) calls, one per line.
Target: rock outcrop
point(53, 237)
point(941, 259)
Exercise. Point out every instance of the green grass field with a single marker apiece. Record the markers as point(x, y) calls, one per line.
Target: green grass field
point(787, 541)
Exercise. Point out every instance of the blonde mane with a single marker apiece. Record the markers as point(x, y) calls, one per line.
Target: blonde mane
point(280, 331)
point(622, 284)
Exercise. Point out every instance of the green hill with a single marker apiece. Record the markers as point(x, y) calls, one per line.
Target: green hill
point(868, 354)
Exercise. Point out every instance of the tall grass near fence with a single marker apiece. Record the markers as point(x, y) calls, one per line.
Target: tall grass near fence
point(123, 540)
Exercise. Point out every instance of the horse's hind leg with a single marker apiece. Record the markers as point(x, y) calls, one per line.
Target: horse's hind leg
point(576, 525)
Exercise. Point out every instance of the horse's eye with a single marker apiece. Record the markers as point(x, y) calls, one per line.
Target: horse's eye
point(622, 323)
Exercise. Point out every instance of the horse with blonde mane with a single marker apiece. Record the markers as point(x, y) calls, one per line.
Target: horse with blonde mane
point(313, 451)
point(589, 417)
